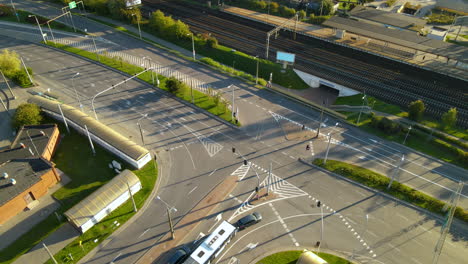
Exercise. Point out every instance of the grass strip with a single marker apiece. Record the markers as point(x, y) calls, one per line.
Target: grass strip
point(88, 173)
point(201, 100)
point(110, 223)
point(291, 257)
point(243, 65)
point(381, 106)
point(380, 182)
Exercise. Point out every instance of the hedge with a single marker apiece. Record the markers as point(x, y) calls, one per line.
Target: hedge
point(380, 182)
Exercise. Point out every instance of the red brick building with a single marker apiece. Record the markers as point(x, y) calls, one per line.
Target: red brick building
point(26, 172)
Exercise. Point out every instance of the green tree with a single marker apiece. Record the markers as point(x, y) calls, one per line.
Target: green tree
point(212, 42)
point(116, 8)
point(216, 98)
point(326, 8)
point(9, 62)
point(416, 110)
point(302, 14)
point(27, 114)
point(261, 4)
point(174, 85)
point(180, 30)
point(274, 7)
point(449, 119)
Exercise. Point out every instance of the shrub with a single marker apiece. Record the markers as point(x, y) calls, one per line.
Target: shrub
point(313, 19)
point(6, 11)
point(9, 62)
point(21, 78)
point(450, 118)
point(27, 114)
point(274, 7)
point(416, 110)
point(386, 125)
point(261, 4)
point(212, 42)
point(174, 85)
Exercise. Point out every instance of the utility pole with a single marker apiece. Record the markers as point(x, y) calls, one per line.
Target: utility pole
point(447, 224)
point(191, 90)
point(360, 110)
point(168, 210)
point(232, 112)
point(131, 196)
point(27, 72)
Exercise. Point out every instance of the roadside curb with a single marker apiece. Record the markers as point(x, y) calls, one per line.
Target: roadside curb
point(459, 223)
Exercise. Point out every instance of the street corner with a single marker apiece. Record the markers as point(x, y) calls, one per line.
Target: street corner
point(262, 197)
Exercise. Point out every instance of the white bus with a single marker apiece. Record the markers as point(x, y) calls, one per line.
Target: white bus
point(213, 244)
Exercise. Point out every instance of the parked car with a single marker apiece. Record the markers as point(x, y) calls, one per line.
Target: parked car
point(180, 255)
point(248, 220)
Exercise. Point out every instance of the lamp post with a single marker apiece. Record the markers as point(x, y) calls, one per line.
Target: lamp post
point(14, 10)
point(409, 129)
point(328, 148)
point(193, 46)
point(321, 116)
point(8, 85)
point(171, 226)
point(141, 131)
point(112, 87)
point(256, 75)
point(149, 66)
point(396, 171)
point(76, 93)
point(360, 110)
point(232, 112)
point(138, 23)
point(39, 25)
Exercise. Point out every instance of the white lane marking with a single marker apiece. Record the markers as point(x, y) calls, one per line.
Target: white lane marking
point(362, 157)
point(112, 262)
point(368, 149)
point(292, 157)
point(192, 190)
point(415, 260)
point(236, 199)
point(284, 225)
point(212, 172)
point(142, 234)
point(402, 216)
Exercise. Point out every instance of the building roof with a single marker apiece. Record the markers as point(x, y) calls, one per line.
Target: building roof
point(388, 18)
point(102, 197)
point(404, 38)
point(38, 134)
point(26, 172)
point(95, 127)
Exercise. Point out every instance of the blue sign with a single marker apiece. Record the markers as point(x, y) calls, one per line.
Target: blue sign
point(283, 56)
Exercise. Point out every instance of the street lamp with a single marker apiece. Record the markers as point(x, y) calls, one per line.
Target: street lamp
point(169, 215)
point(232, 112)
point(76, 93)
point(256, 78)
point(193, 46)
point(328, 148)
point(396, 171)
point(8, 85)
point(139, 126)
point(40, 29)
point(138, 22)
point(409, 129)
point(150, 63)
point(360, 110)
point(321, 116)
point(14, 10)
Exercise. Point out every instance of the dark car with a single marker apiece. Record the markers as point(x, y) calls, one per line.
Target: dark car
point(180, 255)
point(248, 220)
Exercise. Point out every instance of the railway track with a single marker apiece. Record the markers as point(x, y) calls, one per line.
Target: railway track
point(392, 81)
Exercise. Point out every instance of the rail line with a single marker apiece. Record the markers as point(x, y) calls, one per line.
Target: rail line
point(395, 82)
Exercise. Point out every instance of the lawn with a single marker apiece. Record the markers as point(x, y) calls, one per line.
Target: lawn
point(381, 106)
point(88, 173)
point(380, 182)
point(291, 257)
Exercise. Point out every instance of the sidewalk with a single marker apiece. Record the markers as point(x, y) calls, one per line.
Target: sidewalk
point(192, 219)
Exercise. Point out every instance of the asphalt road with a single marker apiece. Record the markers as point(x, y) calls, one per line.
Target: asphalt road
point(198, 151)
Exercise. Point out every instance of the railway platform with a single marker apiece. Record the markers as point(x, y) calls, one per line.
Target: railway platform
point(397, 52)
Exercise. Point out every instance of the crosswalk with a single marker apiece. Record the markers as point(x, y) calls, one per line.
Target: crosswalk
point(282, 188)
point(241, 171)
point(210, 145)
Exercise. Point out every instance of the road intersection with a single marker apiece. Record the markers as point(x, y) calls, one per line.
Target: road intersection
point(197, 149)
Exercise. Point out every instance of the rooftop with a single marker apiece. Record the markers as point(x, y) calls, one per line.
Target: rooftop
point(388, 18)
point(26, 172)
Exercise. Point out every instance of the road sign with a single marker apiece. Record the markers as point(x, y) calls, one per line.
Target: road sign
point(72, 4)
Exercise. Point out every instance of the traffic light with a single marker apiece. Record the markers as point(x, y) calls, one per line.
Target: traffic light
point(233, 150)
point(318, 204)
point(245, 162)
point(256, 189)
